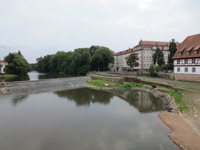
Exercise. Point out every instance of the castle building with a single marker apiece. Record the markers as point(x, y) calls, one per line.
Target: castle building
point(187, 59)
point(145, 50)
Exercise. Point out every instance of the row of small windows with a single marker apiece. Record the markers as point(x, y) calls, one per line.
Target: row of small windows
point(187, 53)
point(186, 61)
point(186, 69)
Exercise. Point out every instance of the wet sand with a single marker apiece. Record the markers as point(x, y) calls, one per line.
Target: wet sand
point(182, 133)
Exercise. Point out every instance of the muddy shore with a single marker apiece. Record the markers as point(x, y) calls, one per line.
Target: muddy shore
point(182, 134)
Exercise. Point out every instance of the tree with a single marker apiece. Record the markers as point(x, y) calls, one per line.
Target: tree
point(131, 60)
point(101, 58)
point(93, 48)
point(152, 73)
point(172, 50)
point(158, 57)
point(17, 64)
point(81, 61)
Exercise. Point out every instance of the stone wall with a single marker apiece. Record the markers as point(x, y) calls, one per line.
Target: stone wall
point(188, 77)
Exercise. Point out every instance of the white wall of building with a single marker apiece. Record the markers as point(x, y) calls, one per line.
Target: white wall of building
point(182, 70)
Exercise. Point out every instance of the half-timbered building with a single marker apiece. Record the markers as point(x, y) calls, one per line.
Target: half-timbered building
point(187, 59)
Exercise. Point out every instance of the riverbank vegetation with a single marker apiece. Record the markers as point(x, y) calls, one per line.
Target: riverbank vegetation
point(17, 64)
point(102, 83)
point(178, 98)
point(8, 76)
point(79, 61)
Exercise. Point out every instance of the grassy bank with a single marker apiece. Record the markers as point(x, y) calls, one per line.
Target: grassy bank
point(102, 83)
point(178, 98)
point(8, 76)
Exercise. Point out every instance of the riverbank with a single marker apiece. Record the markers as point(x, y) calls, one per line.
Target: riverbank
point(8, 76)
point(182, 133)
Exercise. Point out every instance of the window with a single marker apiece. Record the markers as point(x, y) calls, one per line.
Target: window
point(186, 61)
point(147, 58)
point(179, 53)
point(147, 65)
point(186, 69)
point(150, 52)
point(144, 52)
point(178, 61)
point(187, 53)
point(144, 65)
point(195, 52)
point(147, 52)
point(193, 69)
point(178, 69)
point(193, 61)
point(144, 58)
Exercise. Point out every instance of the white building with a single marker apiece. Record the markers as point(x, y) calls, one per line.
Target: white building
point(2, 66)
point(145, 50)
point(187, 59)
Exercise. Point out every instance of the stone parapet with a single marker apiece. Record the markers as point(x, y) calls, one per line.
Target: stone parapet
point(187, 77)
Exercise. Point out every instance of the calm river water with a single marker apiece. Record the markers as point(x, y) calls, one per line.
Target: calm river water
point(83, 119)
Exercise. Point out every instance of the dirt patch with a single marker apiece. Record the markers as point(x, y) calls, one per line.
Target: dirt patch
point(182, 133)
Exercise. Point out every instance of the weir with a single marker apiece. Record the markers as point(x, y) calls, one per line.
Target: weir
point(20, 87)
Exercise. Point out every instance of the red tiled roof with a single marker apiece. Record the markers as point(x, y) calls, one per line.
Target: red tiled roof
point(159, 43)
point(144, 44)
point(124, 52)
point(190, 41)
point(190, 48)
point(197, 47)
point(2, 61)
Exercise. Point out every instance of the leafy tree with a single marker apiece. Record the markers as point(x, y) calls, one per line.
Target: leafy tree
point(17, 64)
point(172, 50)
point(81, 60)
point(34, 66)
point(93, 48)
point(158, 57)
point(101, 58)
point(152, 72)
point(131, 60)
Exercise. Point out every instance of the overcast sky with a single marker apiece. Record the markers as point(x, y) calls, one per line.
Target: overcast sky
point(41, 27)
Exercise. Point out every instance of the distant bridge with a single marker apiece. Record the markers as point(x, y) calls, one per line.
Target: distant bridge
point(20, 87)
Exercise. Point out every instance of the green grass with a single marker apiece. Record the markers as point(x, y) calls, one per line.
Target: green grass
point(130, 84)
point(102, 83)
point(178, 98)
point(7, 75)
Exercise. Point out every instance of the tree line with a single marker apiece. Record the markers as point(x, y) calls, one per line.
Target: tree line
point(79, 61)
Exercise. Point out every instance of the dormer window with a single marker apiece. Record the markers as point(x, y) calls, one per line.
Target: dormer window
point(195, 52)
point(187, 53)
point(179, 53)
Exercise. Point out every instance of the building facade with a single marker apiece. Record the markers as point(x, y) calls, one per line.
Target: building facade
point(2, 66)
point(145, 50)
point(187, 59)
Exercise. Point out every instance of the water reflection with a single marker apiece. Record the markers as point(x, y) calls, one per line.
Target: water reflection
point(144, 101)
point(84, 96)
point(18, 99)
point(49, 120)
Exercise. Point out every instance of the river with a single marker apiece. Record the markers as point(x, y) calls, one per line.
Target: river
point(83, 119)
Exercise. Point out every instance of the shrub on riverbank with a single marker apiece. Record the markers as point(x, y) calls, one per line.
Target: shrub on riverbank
point(178, 98)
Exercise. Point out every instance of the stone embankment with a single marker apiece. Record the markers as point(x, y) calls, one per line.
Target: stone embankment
point(20, 87)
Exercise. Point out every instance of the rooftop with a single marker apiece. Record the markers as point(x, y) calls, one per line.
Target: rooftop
point(190, 44)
